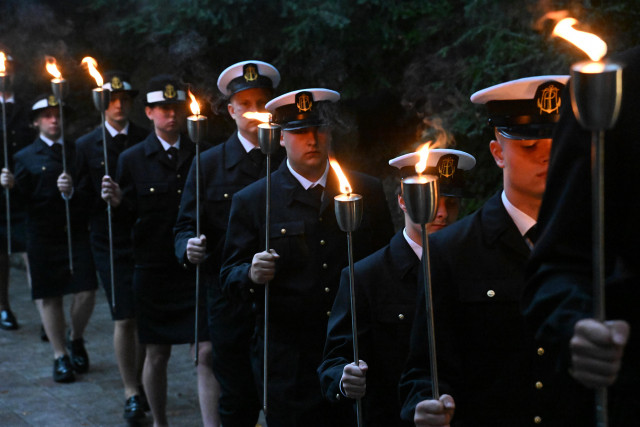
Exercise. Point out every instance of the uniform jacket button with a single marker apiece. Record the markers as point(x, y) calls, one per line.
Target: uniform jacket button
point(328, 313)
point(337, 396)
point(538, 385)
point(179, 176)
point(44, 168)
point(325, 265)
point(151, 190)
point(251, 290)
point(179, 191)
point(226, 195)
point(491, 293)
point(537, 419)
point(283, 231)
point(327, 290)
point(401, 316)
point(322, 242)
point(540, 351)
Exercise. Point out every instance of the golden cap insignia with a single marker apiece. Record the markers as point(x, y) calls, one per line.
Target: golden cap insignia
point(447, 166)
point(170, 92)
point(549, 100)
point(304, 101)
point(116, 83)
point(250, 72)
point(52, 101)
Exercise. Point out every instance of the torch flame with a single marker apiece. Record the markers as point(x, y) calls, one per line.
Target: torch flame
point(345, 187)
point(195, 107)
point(92, 66)
point(591, 44)
point(423, 150)
point(261, 117)
point(2, 59)
point(52, 68)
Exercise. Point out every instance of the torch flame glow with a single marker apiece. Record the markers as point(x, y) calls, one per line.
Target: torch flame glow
point(591, 44)
point(345, 187)
point(423, 150)
point(261, 117)
point(92, 66)
point(2, 59)
point(52, 68)
point(195, 107)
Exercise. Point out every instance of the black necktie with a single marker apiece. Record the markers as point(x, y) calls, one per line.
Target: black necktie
point(172, 153)
point(57, 148)
point(120, 141)
point(316, 193)
point(257, 157)
point(532, 234)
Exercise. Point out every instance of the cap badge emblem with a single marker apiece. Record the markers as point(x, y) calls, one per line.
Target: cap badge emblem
point(549, 102)
point(304, 101)
point(169, 91)
point(116, 83)
point(52, 101)
point(447, 166)
point(250, 73)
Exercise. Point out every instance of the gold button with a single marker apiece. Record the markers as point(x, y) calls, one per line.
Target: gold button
point(337, 396)
point(491, 293)
point(537, 420)
point(226, 195)
point(251, 290)
point(540, 351)
point(102, 163)
point(327, 290)
point(538, 385)
point(325, 266)
point(283, 231)
point(322, 242)
point(151, 190)
point(328, 313)
point(44, 168)
point(401, 316)
point(179, 176)
point(179, 191)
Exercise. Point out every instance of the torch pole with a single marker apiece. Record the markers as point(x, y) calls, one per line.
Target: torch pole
point(354, 324)
point(197, 346)
point(6, 163)
point(59, 87)
point(426, 272)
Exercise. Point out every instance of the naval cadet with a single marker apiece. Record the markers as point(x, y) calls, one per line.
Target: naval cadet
point(386, 288)
point(308, 251)
point(226, 169)
point(120, 133)
point(43, 185)
point(147, 192)
point(492, 372)
point(19, 135)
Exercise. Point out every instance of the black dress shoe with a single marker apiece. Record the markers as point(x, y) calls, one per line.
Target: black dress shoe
point(133, 408)
point(62, 370)
point(78, 354)
point(8, 320)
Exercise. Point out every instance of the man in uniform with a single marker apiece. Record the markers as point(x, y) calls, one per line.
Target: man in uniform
point(151, 176)
point(19, 135)
point(385, 285)
point(492, 372)
point(226, 169)
point(41, 182)
point(308, 252)
point(120, 134)
point(559, 299)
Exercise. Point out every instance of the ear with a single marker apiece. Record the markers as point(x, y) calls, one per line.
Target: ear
point(231, 110)
point(401, 203)
point(282, 139)
point(147, 111)
point(496, 151)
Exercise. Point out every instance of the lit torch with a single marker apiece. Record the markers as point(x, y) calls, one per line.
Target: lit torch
point(4, 83)
point(348, 208)
point(596, 93)
point(421, 194)
point(60, 87)
point(269, 140)
point(101, 99)
point(197, 126)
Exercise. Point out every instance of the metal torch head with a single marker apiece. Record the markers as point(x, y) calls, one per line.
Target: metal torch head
point(101, 98)
point(596, 96)
point(348, 211)
point(60, 88)
point(269, 137)
point(197, 128)
point(421, 194)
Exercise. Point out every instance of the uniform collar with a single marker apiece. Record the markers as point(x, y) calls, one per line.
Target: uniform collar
point(246, 144)
point(416, 248)
point(50, 142)
point(306, 184)
point(166, 145)
point(523, 221)
point(113, 131)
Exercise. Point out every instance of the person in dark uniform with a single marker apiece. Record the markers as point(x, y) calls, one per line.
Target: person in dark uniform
point(19, 135)
point(120, 134)
point(385, 285)
point(150, 179)
point(226, 169)
point(492, 371)
point(559, 296)
point(43, 185)
point(308, 252)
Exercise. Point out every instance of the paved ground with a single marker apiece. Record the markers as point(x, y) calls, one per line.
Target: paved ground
point(29, 397)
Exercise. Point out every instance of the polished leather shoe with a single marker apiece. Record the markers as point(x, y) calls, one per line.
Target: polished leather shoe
point(133, 408)
point(63, 370)
point(78, 354)
point(8, 320)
